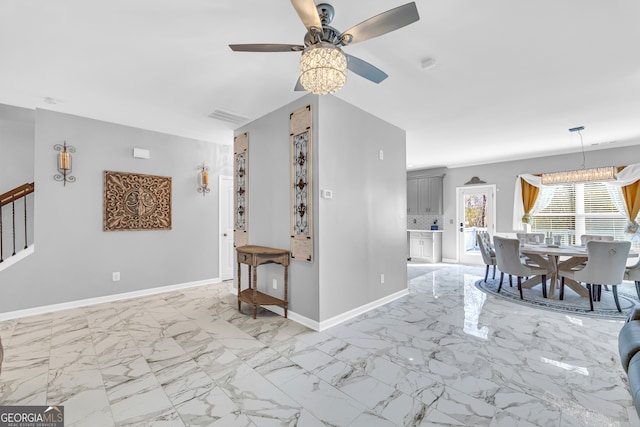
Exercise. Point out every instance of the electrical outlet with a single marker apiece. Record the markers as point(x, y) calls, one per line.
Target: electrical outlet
point(381, 278)
point(381, 154)
point(115, 276)
point(275, 283)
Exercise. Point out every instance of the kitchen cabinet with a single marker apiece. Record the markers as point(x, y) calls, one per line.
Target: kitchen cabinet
point(425, 245)
point(412, 196)
point(424, 195)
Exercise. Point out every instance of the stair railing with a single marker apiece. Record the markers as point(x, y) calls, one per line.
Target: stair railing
point(10, 197)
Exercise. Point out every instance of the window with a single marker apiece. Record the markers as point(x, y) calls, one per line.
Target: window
point(577, 209)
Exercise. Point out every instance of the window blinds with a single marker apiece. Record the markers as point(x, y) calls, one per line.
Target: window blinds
point(577, 209)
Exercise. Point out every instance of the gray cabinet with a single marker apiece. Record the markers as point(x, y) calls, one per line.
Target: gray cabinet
point(412, 196)
point(425, 245)
point(424, 195)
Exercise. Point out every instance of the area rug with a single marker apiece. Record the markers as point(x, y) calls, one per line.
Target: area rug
point(572, 302)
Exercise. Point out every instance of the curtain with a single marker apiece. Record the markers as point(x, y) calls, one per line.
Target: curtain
point(628, 179)
point(629, 182)
point(518, 199)
point(529, 197)
point(631, 195)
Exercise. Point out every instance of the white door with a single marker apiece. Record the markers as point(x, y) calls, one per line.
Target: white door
point(476, 207)
point(226, 227)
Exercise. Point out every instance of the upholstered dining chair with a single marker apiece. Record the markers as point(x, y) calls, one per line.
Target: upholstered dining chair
point(588, 237)
point(633, 273)
point(487, 252)
point(509, 262)
point(605, 266)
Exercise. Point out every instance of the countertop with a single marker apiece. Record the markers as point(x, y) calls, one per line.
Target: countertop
point(422, 231)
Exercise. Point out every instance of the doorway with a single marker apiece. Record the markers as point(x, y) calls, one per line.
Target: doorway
point(475, 211)
point(225, 206)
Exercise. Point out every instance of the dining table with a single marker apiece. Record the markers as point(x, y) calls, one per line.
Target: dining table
point(554, 258)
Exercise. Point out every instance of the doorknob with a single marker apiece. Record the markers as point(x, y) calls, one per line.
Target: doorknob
point(225, 234)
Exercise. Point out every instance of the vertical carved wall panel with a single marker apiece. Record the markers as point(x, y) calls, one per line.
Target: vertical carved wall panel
point(240, 185)
point(301, 150)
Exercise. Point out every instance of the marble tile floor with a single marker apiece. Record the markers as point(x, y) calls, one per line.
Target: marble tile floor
point(446, 355)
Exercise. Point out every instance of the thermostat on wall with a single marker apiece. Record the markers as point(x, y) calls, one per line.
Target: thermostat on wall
point(326, 194)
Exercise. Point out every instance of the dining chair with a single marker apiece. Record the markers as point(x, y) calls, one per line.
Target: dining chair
point(588, 237)
point(509, 262)
point(488, 254)
point(633, 273)
point(605, 265)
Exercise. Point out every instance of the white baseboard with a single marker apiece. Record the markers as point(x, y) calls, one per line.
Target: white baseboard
point(99, 300)
point(292, 315)
point(329, 323)
point(298, 318)
point(450, 261)
point(334, 321)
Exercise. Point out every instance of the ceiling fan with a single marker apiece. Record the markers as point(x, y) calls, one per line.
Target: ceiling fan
point(323, 65)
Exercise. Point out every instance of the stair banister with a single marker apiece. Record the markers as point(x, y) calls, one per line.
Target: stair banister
point(11, 196)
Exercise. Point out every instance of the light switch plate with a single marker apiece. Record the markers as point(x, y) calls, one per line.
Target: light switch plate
point(327, 194)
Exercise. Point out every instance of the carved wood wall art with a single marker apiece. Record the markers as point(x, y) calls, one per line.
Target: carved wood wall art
point(301, 150)
point(136, 202)
point(240, 186)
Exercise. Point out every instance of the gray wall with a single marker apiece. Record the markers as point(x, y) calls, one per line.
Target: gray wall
point(363, 227)
point(74, 258)
point(17, 128)
point(503, 175)
point(359, 234)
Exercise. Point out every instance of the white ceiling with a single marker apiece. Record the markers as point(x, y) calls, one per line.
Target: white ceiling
point(511, 76)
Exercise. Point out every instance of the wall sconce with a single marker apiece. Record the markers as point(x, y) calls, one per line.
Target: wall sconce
point(203, 181)
point(64, 163)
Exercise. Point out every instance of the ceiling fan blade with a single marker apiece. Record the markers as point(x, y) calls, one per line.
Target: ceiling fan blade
point(266, 47)
point(299, 86)
point(364, 69)
point(308, 13)
point(381, 24)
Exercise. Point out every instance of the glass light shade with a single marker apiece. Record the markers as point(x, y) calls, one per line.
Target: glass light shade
point(577, 176)
point(323, 69)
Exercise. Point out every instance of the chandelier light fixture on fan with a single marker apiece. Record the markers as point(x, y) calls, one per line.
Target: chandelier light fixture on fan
point(607, 173)
point(323, 69)
point(323, 65)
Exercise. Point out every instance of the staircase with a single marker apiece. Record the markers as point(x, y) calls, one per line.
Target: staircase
point(14, 241)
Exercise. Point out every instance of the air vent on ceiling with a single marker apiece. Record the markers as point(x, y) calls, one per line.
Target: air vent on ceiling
point(229, 117)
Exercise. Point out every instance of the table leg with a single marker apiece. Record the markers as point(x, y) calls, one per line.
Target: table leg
point(255, 290)
point(239, 281)
point(572, 284)
point(552, 271)
point(286, 288)
point(576, 287)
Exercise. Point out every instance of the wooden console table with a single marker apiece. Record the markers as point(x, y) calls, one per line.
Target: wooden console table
point(254, 256)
